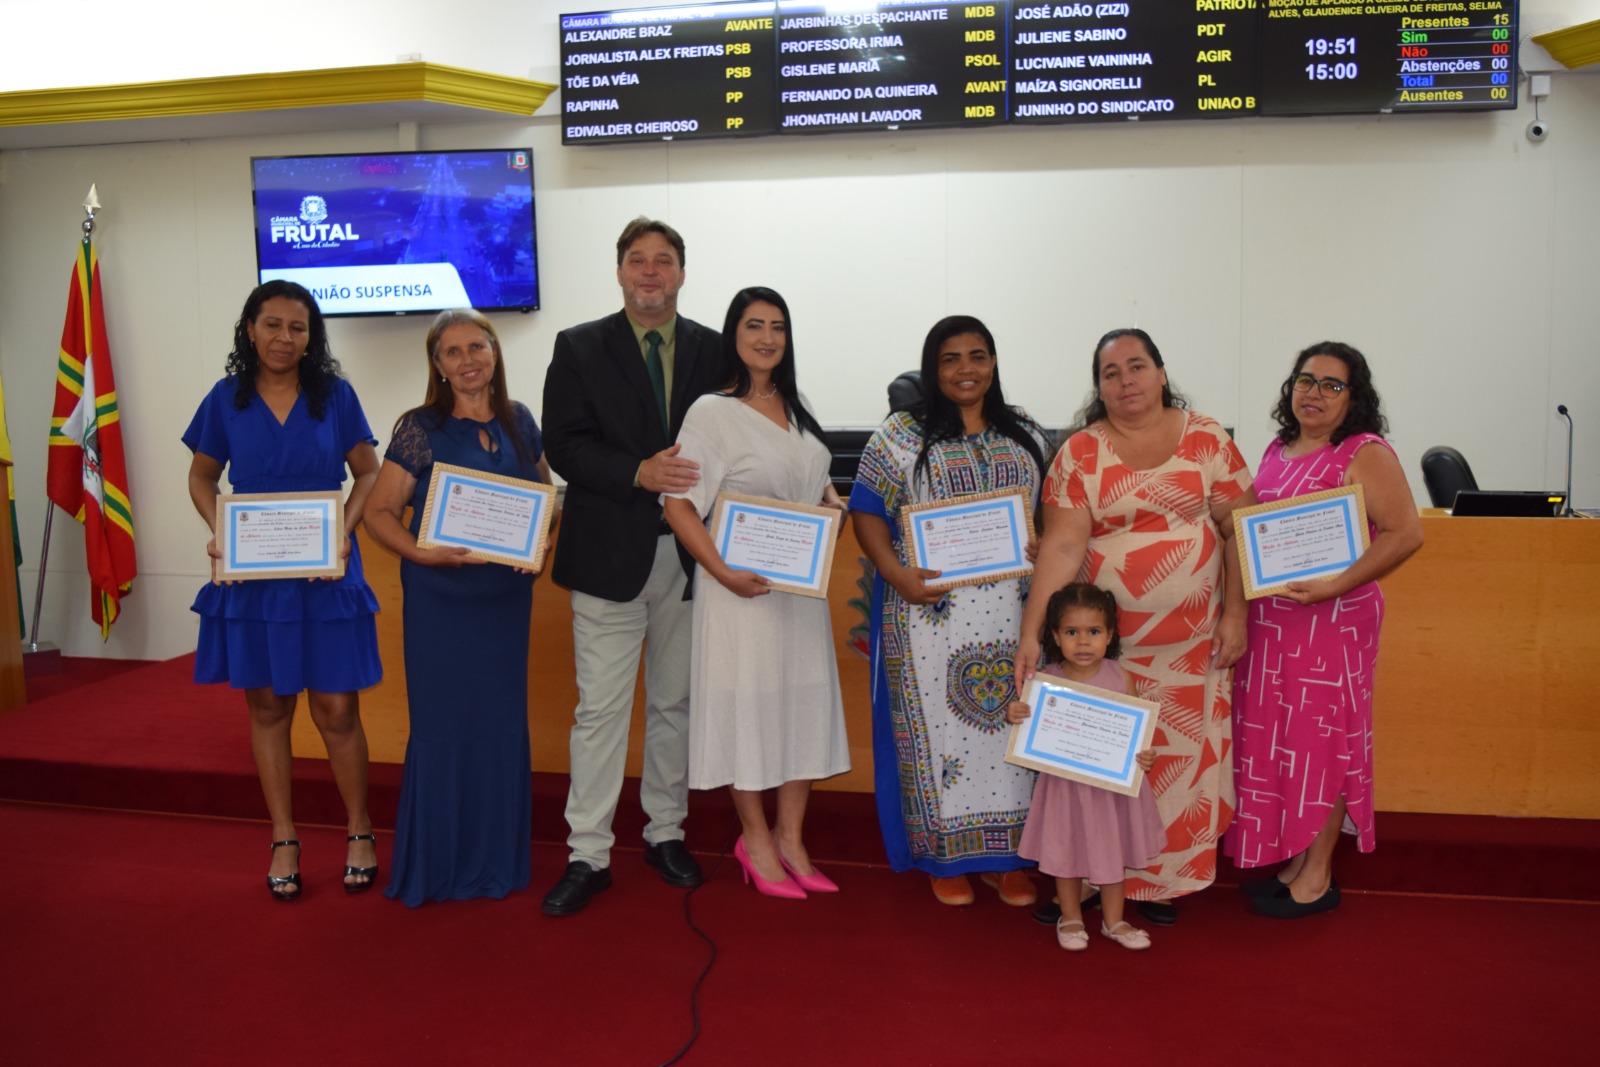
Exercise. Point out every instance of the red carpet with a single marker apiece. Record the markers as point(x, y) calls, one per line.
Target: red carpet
point(140, 939)
point(147, 938)
point(143, 737)
point(147, 738)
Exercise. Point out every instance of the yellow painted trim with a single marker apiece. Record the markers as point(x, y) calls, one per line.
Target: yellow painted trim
point(1574, 47)
point(392, 83)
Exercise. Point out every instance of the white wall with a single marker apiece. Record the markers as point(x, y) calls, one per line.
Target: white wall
point(1460, 257)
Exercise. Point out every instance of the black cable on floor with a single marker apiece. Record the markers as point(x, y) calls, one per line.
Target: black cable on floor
point(694, 991)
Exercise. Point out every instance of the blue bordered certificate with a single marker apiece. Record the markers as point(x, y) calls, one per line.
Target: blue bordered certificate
point(790, 545)
point(279, 535)
point(498, 519)
point(970, 539)
point(1299, 539)
point(1083, 734)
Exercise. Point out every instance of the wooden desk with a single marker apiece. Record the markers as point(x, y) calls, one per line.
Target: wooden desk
point(1489, 671)
point(1486, 685)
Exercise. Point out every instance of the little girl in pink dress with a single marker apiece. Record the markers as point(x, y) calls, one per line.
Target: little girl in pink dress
point(1076, 831)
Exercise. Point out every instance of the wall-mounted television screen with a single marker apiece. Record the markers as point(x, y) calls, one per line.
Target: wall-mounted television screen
point(398, 232)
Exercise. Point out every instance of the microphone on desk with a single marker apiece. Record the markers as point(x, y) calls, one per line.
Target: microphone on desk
point(1561, 409)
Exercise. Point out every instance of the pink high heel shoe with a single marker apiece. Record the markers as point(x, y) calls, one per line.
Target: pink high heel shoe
point(816, 882)
point(786, 889)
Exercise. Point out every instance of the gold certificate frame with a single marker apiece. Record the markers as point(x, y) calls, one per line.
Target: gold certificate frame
point(279, 535)
point(981, 537)
point(1083, 734)
point(1299, 539)
point(496, 518)
point(788, 544)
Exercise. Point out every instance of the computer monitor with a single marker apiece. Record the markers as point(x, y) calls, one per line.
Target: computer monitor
point(1525, 503)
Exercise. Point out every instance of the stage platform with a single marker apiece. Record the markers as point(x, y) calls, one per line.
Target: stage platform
point(143, 737)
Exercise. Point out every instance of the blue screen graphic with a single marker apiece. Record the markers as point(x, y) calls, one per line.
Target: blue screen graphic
point(400, 232)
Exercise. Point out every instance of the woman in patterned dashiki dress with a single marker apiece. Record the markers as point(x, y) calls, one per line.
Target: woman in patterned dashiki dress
point(1302, 693)
point(942, 661)
point(1139, 501)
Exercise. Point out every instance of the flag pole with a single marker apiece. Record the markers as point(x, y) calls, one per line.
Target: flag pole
point(44, 657)
point(33, 647)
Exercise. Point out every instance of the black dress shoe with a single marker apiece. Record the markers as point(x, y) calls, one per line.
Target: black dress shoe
point(580, 884)
point(1160, 912)
point(1284, 906)
point(677, 867)
point(1262, 887)
point(1048, 914)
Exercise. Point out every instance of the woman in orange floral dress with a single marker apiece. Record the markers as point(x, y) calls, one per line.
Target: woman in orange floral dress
point(1139, 502)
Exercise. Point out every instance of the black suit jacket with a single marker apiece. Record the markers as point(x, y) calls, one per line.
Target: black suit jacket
point(600, 422)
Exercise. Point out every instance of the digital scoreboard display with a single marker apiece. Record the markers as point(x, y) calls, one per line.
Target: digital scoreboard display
point(663, 73)
point(1333, 56)
point(1088, 62)
point(892, 65)
point(811, 66)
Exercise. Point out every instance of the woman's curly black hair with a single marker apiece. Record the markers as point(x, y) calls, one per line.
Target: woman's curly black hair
point(1365, 415)
point(318, 369)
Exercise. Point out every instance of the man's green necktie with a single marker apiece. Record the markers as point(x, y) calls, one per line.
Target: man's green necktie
point(658, 377)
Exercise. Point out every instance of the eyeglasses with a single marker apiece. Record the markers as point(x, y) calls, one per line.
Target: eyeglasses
point(1328, 387)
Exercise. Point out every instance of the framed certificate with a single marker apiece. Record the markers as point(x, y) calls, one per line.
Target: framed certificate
point(1302, 538)
point(971, 539)
point(790, 545)
point(499, 519)
point(279, 535)
point(1083, 734)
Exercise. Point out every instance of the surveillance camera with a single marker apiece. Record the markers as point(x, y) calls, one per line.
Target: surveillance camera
point(1538, 130)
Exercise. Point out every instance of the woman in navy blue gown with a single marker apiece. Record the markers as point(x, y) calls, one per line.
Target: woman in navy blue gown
point(285, 421)
point(466, 800)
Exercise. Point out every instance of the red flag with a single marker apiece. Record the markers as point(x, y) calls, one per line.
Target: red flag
point(88, 476)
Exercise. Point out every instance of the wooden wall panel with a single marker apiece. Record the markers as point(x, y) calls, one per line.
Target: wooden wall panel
point(552, 692)
point(13, 686)
point(1489, 670)
point(1486, 684)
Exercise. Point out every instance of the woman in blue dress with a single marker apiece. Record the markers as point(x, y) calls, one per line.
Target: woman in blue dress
point(285, 421)
point(466, 801)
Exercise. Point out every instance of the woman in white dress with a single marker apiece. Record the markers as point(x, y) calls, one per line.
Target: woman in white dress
point(764, 705)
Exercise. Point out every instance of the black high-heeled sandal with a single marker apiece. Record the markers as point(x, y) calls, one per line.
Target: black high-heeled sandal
point(370, 873)
point(274, 885)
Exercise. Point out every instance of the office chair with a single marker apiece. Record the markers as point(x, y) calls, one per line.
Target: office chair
point(1446, 473)
point(905, 391)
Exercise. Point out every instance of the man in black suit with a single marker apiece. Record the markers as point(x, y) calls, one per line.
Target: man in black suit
point(614, 400)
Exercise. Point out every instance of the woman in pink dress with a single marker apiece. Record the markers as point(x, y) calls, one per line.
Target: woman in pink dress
point(1302, 699)
point(1139, 501)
